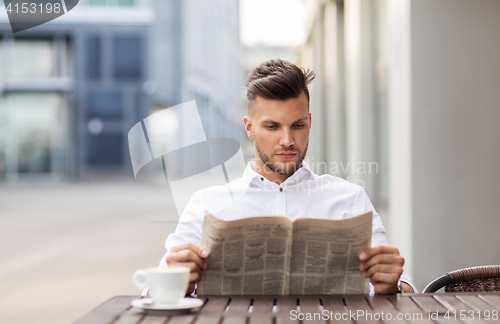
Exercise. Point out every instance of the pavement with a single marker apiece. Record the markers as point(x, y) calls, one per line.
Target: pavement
point(68, 247)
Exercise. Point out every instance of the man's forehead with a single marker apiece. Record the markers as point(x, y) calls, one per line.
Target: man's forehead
point(279, 121)
point(273, 109)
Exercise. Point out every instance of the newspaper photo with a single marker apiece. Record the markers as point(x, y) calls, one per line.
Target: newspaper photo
point(277, 256)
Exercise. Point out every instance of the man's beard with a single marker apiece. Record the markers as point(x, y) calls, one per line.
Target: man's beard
point(278, 169)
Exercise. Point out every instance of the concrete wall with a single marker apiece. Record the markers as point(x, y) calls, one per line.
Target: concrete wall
point(455, 52)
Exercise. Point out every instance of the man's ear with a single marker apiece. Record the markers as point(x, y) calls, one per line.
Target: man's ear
point(248, 127)
point(310, 120)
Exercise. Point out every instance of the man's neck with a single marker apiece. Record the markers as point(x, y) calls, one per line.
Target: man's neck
point(270, 175)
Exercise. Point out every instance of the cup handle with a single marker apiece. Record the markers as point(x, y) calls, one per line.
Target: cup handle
point(139, 279)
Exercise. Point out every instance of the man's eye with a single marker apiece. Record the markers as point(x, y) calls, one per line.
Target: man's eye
point(271, 127)
point(299, 125)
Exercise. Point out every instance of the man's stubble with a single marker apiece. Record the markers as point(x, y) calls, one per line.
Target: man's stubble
point(276, 168)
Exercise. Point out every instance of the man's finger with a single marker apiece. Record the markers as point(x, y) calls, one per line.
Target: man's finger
point(194, 277)
point(381, 249)
point(184, 256)
point(382, 259)
point(384, 268)
point(193, 266)
point(202, 253)
point(389, 278)
point(384, 288)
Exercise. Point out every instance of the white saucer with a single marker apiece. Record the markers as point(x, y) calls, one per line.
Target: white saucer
point(183, 305)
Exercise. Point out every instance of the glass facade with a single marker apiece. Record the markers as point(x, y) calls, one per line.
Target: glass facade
point(120, 3)
point(33, 107)
point(93, 62)
point(61, 114)
point(127, 58)
point(30, 59)
point(33, 133)
point(105, 105)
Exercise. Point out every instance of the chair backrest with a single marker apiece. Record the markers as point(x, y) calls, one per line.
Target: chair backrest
point(482, 278)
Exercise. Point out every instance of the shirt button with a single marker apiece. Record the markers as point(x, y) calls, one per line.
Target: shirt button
point(281, 189)
point(262, 179)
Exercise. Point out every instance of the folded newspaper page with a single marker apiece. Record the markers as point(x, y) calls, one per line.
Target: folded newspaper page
point(277, 256)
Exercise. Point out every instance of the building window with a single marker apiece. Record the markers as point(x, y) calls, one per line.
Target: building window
point(105, 105)
point(93, 58)
point(105, 149)
point(26, 58)
point(34, 128)
point(112, 3)
point(34, 73)
point(127, 58)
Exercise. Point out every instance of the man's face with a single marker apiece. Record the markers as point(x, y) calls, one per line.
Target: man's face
point(280, 130)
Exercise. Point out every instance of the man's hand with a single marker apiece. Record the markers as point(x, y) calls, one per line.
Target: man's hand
point(383, 265)
point(191, 256)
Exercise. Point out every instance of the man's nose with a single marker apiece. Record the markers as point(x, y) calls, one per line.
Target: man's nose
point(286, 138)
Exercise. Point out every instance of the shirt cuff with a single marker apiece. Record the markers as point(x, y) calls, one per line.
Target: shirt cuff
point(404, 278)
point(407, 280)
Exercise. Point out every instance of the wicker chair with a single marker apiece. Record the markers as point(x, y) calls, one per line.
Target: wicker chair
point(483, 278)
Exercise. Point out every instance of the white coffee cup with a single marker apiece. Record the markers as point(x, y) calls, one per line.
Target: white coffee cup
point(166, 285)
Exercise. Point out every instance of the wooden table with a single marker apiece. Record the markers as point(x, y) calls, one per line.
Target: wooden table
point(408, 308)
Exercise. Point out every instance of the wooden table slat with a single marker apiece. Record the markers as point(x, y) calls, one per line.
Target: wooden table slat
point(239, 304)
point(108, 311)
point(260, 320)
point(215, 304)
point(286, 304)
point(455, 305)
point(333, 304)
point(493, 300)
point(381, 303)
point(355, 303)
point(152, 319)
point(410, 313)
point(429, 304)
point(130, 316)
point(478, 308)
point(282, 319)
point(404, 304)
point(207, 319)
point(475, 302)
point(181, 319)
point(263, 304)
point(471, 307)
point(309, 304)
point(450, 302)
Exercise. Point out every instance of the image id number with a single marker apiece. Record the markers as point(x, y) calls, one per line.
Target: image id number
point(471, 315)
point(26, 7)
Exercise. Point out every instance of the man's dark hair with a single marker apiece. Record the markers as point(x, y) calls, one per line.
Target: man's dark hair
point(278, 79)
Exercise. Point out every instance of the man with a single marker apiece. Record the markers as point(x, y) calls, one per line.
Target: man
point(278, 183)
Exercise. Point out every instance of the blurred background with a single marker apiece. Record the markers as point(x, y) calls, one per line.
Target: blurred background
point(405, 102)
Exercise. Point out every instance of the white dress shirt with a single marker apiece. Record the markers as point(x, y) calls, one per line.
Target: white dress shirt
point(302, 195)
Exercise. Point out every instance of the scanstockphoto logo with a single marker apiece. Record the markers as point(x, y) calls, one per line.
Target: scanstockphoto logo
point(170, 148)
point(25, 14)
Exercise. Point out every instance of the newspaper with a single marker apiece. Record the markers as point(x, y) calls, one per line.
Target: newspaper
point(277, 256)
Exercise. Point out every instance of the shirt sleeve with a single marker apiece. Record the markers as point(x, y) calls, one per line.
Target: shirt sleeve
point(189, 227)
point(363, 205)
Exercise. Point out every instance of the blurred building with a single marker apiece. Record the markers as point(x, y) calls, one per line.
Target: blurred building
point(413, 87)
point(257, 54)
point(72, 88)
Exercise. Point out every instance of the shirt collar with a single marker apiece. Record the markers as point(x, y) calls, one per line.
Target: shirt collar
point(252, 178)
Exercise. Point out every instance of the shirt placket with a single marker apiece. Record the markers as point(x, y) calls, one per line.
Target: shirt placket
point(280, 202)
